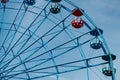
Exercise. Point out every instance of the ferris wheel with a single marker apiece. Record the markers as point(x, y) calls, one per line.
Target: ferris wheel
point(51, 40)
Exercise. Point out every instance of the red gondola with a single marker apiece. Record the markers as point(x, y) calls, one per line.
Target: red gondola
point(77, 23)
point(77, 12)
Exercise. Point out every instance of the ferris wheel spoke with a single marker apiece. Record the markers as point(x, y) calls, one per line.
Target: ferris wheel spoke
point(12, 24)
point(52, 40)
point(50, 58)
point(30, 55)
point(25, 41)
point(38, 39)
point(21, 37)
point(61, 65)
point(27, 29)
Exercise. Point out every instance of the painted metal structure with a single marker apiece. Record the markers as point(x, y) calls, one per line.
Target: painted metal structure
point(36, 44)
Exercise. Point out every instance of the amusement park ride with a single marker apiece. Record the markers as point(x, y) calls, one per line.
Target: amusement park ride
point(10, 70)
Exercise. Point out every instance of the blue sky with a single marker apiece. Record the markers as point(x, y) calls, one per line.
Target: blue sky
point(104, 13)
